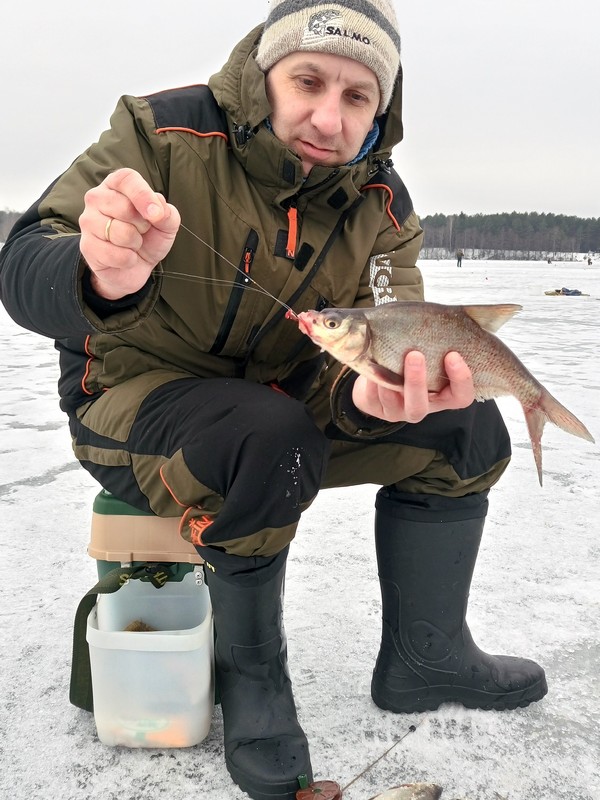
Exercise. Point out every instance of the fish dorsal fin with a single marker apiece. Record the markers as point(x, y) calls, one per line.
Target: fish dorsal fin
point(490, 318)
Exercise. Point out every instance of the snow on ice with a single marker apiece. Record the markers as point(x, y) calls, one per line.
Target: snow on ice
point(536, 593)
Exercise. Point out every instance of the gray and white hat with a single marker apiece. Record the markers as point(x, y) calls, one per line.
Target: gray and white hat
point(365, 30)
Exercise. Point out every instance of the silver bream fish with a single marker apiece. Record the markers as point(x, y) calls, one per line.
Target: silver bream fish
point(374, 342)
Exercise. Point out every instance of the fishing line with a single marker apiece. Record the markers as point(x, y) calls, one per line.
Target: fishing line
point(186, 276)
point(257, 287)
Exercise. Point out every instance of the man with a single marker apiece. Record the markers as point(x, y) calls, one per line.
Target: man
point(190, 396)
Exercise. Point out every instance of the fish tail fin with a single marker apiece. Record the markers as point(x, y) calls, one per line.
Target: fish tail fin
point(562, 417)
point(536, 420)
point(548, 408)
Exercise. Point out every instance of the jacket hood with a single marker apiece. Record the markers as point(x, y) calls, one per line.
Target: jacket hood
point(239, 89)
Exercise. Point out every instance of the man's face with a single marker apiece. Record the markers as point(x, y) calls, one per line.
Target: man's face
point(323, 106)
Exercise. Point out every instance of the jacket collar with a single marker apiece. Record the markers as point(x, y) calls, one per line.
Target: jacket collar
point(239, 88)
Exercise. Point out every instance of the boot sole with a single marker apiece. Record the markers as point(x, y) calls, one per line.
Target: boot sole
point(431, 698)
point(286, 790)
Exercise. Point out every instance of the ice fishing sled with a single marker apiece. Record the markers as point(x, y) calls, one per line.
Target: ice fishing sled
point(564, 292)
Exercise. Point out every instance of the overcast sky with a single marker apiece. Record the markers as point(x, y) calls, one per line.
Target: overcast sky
point(501, 107)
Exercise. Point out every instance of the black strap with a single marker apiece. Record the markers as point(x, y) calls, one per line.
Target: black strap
point(80, 693)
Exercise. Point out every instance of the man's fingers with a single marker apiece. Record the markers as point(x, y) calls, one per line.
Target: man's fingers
point(416, 395)
point(126, 229)
point(170, 221)
point(392, 404)
point(122, 234)
point(414, 401)
point(150, 205)
point(107, 213)
point(129, 183)
point(461, 379)
point(457, 368)
point(125, 197)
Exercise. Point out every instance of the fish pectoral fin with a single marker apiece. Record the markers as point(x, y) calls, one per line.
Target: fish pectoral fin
point(492, 317)
point(382, 375)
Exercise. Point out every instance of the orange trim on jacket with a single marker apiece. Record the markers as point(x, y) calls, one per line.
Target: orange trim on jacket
point(87, 366)
point(193, 132)
point(168, 488)
point(389, 203)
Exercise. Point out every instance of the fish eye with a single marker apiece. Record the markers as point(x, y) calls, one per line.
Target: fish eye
point(331, 323)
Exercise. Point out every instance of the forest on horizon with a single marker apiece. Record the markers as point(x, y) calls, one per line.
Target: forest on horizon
point(528, 232)
point(515, 232)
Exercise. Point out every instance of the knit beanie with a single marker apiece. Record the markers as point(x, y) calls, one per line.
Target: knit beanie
point(365, 30)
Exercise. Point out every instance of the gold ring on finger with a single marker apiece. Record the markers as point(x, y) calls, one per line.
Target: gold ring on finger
point(107, 229)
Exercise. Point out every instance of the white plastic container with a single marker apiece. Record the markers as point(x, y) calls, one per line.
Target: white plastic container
point(156, 688)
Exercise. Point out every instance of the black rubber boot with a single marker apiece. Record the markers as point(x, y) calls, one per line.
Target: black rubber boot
point(265, 748)
point(426, 551)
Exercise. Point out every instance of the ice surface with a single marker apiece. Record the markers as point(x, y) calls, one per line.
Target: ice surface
point(536, 592)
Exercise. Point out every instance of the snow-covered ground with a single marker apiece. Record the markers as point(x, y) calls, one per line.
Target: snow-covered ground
point(536, 592)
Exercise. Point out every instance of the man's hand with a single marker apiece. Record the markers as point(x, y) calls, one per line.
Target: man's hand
point(413, 401)
point(126, 229)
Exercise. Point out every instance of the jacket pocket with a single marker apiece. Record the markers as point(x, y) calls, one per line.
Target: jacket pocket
point(235, 298)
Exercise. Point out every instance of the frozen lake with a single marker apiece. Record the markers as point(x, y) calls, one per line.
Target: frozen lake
point(536, 593)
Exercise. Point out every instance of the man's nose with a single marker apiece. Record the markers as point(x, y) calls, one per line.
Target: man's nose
point(327, 116)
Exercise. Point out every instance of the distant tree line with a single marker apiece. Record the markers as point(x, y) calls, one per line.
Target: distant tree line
point(548, 234)
point(483, 235)
point(7, 220)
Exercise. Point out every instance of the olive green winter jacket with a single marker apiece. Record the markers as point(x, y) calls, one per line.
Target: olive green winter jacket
point(207, 149)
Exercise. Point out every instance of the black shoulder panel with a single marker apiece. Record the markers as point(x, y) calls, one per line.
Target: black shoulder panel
point(193, 108)
point(401, 205)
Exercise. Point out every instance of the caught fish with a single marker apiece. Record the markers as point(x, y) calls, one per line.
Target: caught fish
point(412, 791)
point(374, 342)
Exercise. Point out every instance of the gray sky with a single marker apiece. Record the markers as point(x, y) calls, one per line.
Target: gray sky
point(501, 97)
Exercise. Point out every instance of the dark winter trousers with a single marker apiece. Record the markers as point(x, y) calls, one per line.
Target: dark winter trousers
point(239, 462)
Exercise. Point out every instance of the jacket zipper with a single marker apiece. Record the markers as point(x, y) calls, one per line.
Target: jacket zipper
point(235, 298)
point(336, 231)
point(292, 215)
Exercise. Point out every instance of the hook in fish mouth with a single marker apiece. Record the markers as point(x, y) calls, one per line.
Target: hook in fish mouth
point(304, 320)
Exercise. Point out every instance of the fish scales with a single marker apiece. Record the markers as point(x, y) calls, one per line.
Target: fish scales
point(375, 341)
point(438, 334)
